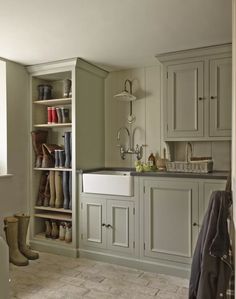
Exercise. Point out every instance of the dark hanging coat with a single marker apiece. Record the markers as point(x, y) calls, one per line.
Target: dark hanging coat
point(211, 267)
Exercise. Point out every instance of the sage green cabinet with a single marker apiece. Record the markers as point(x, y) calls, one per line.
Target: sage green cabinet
point(93, 217)
point(185, 99)
point(170, 219)
point(220, 96)
point(206, 189)
point(107, 223)
point(197, 96)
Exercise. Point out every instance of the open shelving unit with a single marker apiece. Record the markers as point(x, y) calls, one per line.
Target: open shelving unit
point(86, 105)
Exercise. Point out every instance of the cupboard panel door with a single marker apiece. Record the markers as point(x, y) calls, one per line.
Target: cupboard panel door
point(220, 97)
point(208, 188)
point(94, 216)
point(171, 209)
point(121, 230)
point(185, 92)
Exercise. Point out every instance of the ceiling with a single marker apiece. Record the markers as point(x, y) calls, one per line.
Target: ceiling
point(116, 34)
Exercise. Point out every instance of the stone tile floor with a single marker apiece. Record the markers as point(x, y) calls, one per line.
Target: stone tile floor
point(59, 277)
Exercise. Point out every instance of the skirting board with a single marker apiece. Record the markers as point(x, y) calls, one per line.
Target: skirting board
point(144, 265)
point(55, 249)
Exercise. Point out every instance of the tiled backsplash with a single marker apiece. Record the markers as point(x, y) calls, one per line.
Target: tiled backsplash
point(220, 151)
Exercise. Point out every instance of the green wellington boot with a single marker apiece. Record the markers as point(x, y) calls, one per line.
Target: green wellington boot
point(11, 231)
point(23, 224)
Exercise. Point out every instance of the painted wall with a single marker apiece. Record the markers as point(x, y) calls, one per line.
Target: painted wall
point(14, 189)
point(147, 109)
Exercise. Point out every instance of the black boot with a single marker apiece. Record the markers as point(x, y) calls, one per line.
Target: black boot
point(70, 190)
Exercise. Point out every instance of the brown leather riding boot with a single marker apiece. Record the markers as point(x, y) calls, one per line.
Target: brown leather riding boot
point(38, 138)
point(42, 185)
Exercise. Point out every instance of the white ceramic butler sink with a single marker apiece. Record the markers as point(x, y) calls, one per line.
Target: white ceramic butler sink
point(109, 182)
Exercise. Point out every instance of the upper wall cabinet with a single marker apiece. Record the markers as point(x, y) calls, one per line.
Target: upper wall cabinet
point(220, 96)
point(197, 94)
point(185, 104)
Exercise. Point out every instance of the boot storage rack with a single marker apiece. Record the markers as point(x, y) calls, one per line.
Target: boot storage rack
point(79, 102)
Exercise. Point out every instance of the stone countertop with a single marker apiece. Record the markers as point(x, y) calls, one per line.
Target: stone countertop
point(217, 175)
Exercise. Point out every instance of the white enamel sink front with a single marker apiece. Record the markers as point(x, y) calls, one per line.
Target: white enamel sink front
point(109, 182)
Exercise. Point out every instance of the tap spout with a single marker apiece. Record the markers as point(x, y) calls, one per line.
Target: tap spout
point(128, 133)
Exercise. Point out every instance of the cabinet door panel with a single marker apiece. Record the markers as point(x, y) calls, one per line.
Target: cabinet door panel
point(208, 188)
point(185, 104)
point(171, 208)
point(220, 97)
point(121, 233)
point(94, 215)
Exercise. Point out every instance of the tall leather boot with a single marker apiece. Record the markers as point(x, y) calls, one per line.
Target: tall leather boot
point(42, 185)
point(38, 138)
point(67, 149)
point(23, 224)
point(11, 231)
point(66, 193)
point(47, 192)
point(70, 190)
point(52, 188)
point(59, 190)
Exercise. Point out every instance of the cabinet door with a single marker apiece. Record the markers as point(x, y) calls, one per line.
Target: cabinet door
point(220, 97)
point(185, 100)
point(208, 188)
point(94, 216)
point(120, 217)
point(171, 209)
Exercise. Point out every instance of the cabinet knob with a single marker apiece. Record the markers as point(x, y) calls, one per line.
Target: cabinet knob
point(195, 224)
point(200, 98)
point(213, 97)
point(103, 224)
point(108, 226)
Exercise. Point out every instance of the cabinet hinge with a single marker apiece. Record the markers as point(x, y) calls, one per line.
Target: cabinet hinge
point(166, 127)
point(144, 189)
point(133, 244)
point(81, 206)
point(133, 211)
point(167, 75)
point(82, 236)
point(144, 246)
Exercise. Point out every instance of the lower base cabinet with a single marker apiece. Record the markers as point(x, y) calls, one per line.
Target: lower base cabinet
point(170, 219)
point(156, 229)
point(108, 224)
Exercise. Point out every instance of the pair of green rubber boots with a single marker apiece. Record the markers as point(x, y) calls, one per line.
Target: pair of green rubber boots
point(16, 228)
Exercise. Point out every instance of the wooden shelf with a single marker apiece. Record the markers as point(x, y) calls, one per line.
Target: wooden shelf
point(61, 125)
point(41, 237)
point(56, 216)
point(61, 210)
point(54, 102)
point(55, 169)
